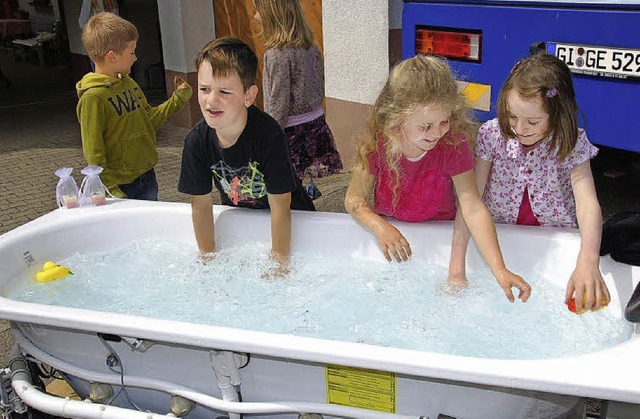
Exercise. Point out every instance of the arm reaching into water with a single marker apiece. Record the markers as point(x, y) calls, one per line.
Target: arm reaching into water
point(202, 218)
point(280, 205)
point(586, 278)
point(391, 241)
point(483, 230)
point(460, 239)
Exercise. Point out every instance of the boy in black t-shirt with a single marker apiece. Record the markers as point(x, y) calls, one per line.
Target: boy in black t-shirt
point(242, 149)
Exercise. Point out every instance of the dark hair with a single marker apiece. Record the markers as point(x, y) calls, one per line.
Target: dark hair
point(228, 56)
point(545, 77)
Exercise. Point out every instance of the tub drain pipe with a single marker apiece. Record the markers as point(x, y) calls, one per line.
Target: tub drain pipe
point(226, 366)
point(65, 407)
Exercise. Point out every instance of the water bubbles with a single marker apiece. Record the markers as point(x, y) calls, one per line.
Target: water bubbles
point(405, 305)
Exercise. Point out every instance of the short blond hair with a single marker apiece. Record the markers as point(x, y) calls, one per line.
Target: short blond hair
point(106, 32)
point(284, 24)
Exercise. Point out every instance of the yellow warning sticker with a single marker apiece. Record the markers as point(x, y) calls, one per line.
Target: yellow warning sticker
point(478, 95)
point(367, 389)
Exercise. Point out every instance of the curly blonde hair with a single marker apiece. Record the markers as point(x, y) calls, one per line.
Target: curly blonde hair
point(283, 24)
point(413, 83)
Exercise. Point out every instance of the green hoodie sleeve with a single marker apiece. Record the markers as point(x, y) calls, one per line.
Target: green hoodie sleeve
point(92, 116)
point(171, 106)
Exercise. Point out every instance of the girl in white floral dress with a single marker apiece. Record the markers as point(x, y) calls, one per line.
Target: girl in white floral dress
point(532, 164)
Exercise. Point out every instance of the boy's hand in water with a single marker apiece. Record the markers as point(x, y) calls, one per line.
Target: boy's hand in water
point(392, 242)
point(507, 279)
point(280, 268)
point(206, 257)
point(180, 83)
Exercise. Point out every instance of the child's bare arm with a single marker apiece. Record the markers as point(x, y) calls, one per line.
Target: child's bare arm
point(483, 230)
point(460, 239)
point(280, 205)
point(586, 279)
point(459, 242)
point(202, 218)
point(391, 241)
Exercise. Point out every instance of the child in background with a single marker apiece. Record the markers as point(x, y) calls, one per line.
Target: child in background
point(239, 148)
point(415, 155)
point(93, 7)
point(117, 124)
point(533, 167)
point(293, 83)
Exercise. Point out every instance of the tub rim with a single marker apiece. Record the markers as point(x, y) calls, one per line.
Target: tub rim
point(589, 375)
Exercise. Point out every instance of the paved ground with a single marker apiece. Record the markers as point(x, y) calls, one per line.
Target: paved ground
point(39, 133)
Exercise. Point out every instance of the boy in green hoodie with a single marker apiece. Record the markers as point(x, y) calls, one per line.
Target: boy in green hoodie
point(117, 124)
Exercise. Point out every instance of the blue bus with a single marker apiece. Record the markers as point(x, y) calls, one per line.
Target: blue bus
point(598, 39)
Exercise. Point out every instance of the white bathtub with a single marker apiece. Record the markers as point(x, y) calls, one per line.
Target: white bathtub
point(293, 368)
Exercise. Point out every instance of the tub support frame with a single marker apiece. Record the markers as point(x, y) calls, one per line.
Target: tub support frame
point(203, 399)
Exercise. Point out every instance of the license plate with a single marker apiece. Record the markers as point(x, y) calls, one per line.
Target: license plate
point(592, 60)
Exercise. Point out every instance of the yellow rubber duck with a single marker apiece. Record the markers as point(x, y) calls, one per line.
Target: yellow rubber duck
point(51, 271)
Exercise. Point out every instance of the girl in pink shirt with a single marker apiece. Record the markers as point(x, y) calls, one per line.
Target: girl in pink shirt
point(414, 158)
point(532, 164)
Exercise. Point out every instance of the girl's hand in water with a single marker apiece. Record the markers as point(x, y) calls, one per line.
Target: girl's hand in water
point(452, 287)
point(586, 280)
point(457, 280)
point(507, 280)
point(392, 242)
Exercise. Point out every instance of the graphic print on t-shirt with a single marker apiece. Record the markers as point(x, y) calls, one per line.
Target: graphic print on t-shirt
point(243, 184)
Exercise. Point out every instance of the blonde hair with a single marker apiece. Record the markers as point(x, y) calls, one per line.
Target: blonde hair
point(413, 83)
point(229, 56)
point(109, 5)
point(106, 32)
point(547, 78)
point(283, 24)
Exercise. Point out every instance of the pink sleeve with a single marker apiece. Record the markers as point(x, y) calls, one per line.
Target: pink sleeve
point(461, 157)
point(582, 152)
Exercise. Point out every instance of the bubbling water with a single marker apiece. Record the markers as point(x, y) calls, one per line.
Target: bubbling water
point(403, 305)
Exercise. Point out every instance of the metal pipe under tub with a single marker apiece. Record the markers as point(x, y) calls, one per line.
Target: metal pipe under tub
point(224, 406)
